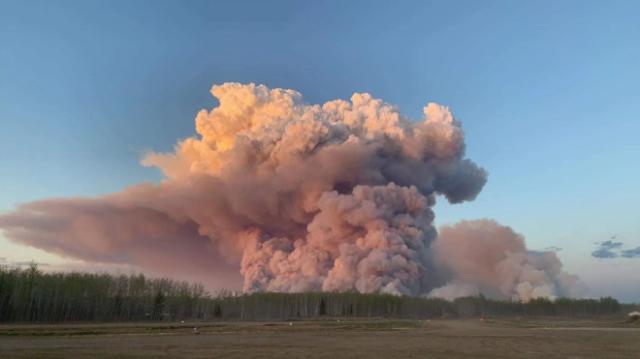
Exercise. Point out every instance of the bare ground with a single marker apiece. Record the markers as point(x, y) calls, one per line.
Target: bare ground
point(513, 338)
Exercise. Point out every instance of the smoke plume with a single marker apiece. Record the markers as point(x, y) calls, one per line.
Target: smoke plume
point(482, 256)
point(298, 197)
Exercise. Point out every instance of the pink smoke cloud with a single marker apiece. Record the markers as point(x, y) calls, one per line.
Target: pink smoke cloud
point(280, 195)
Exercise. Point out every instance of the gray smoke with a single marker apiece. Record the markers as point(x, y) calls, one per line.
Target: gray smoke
point(293, 197)
point(485, 257)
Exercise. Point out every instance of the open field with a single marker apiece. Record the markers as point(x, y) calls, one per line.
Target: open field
point(500, 338)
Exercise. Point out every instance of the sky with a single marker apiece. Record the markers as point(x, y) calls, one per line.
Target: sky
point(547, 93)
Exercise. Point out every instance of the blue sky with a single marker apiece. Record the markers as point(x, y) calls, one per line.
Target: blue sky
point(547, 92)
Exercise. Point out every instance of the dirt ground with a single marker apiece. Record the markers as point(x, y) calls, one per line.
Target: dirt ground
point(514, 338)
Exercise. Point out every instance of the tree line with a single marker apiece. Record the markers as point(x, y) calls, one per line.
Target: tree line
point(31, 296)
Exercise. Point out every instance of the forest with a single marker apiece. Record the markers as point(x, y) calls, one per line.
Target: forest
point(28, 295)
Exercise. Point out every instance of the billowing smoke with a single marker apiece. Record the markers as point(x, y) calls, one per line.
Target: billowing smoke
point(484, 257)
point(299, 197)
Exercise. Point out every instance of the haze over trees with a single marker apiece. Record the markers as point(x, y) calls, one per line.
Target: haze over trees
point(29, 295)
